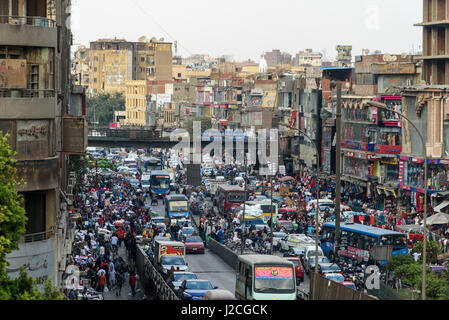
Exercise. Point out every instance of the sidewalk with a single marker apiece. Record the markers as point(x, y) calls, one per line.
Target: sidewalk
point(126, 289)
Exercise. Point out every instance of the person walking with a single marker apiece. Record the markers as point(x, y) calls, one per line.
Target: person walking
point(119, 279)
point(132, 283)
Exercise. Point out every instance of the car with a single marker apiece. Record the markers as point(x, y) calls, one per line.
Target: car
point(287, 224)
point(187, 231)
point(329, 267)
point(309, 252)
point(134, 183)
point(277, 236)
point(156, 220)
point(194, 289)
point(295, 240)
point(194, 244)
point(260, 198)
point(337, 277)
point(176, 278)
point(295, 252)
point(219, 294)
point(299, 270)
point(168, 261)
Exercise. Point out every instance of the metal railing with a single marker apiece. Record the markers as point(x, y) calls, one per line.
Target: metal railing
point(26, 93)
point(40, 236)
point(30, 21)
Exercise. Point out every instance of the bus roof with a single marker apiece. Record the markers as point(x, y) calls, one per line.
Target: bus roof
point(373, 231)
point(227, 187)
point(159, 173)
point(176, 197)
point(263, 259)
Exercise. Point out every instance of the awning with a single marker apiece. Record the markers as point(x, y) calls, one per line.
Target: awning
point(439, 218)
point(388, 190)
point(441, 206)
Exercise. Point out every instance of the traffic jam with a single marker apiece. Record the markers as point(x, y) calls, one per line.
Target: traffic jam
point(141, 198)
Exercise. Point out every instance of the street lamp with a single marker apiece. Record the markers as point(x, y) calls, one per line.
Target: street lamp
point(424, 254)
point(317, 195)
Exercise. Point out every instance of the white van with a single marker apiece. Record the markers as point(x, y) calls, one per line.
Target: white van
point(323, 204)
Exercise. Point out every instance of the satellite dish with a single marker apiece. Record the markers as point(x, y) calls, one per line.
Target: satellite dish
point(366, 51)
point(404, 55)
point(142, 39)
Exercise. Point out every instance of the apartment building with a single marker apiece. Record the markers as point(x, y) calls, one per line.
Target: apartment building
point(43, 116)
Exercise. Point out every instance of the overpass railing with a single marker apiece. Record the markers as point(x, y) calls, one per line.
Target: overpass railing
point(151, 279)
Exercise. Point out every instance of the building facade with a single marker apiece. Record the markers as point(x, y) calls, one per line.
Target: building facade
point(43, 115)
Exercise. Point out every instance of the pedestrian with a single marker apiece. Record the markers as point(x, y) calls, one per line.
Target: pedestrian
point(132, 283)
point(119, 279)
point(101, 281)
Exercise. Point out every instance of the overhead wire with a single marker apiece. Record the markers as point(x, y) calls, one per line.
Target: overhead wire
point(160, 27)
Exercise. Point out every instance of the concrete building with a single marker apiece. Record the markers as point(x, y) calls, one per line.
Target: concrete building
point(80, 67)
point(136, 103)
point(112, 62)
point(435, 53)
point(308, 58)
point(43, 115)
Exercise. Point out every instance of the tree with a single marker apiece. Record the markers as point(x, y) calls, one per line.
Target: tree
point(399, 260)
point(206, 124)
point(12, 226)
point(410, 274)
point(101, 108)
point(433, 250)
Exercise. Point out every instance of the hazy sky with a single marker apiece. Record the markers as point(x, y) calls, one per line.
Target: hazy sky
point(246, 28)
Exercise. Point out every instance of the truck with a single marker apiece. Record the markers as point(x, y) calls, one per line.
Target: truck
point(168, 254)
point(213, 186)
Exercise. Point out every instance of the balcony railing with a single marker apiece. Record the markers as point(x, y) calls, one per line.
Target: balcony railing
point(26, 93)
point(36, 237)
point(30, 21)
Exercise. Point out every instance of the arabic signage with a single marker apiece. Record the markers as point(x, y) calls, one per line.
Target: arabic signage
point(359, 155)
point(32, 130)
point(172, 250)
point(13, 73)
point(273, 273)
point(355, 145)
point(388, 149)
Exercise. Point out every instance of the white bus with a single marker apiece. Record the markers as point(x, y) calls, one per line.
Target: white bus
point(265, 277)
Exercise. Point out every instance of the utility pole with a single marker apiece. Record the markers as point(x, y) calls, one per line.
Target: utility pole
point(338, 171)
point(244, 205)
point(271, 218)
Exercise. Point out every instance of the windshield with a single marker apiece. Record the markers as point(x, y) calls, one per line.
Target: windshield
point(160, 182)
point(198, 285)
point(178, 206)
point(183, 276)
point(295, 262)
point(188, 230)
point(274, 279)
point(335, 277)
point(236, 197)
point(320, 260)
point(194, 239)
point(174, 260)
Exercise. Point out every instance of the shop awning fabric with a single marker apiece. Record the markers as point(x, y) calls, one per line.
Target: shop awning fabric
point(441, 206)
point(439, 218)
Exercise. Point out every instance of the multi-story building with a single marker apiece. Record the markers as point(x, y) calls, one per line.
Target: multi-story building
point(80, 67)
point(42, 114)
point(136, 103)
point(112, 62)
point(308, 58)
point(435, 53)
point(273, 58)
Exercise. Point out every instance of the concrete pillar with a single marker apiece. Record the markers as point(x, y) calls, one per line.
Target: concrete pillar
point(425, 11)
point(406, 146)
point(437, 128)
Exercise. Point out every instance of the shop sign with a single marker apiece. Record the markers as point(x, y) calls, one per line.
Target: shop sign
point(32, 130)
point(393, 161)
point(354, 145)
point(388, 149)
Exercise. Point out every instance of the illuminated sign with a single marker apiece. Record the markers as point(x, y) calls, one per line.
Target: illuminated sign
point(273, 273)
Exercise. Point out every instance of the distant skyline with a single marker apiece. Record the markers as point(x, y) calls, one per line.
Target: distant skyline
point(245, 29)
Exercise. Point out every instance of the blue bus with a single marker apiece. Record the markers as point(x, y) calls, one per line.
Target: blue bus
point(177, 206)
point(153, 164)
point(160, 183)
point(358, 239)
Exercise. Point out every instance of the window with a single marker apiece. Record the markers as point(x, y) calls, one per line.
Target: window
point(15, 8)
point(179, 75)
point(95, 80)
point(35, 207)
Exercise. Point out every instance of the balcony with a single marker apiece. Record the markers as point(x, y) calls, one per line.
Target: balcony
point(28, 31)
point(27, 104)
